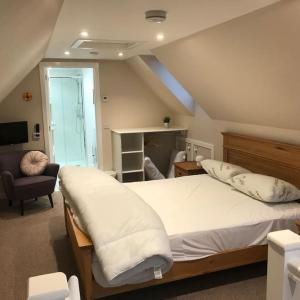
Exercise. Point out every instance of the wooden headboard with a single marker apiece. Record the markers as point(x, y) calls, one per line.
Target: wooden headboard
point(263, 156)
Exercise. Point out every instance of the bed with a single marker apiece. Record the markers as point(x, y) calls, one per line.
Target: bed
point(259, 155)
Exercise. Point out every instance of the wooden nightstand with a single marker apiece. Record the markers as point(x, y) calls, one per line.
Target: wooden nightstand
point(187, 168)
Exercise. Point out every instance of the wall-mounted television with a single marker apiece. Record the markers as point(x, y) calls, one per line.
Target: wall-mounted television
point(13, 133)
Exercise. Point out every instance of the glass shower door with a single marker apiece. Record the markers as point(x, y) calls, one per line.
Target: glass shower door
point(67, 120)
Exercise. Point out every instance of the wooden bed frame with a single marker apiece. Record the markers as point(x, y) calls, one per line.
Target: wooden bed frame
point(258, 155)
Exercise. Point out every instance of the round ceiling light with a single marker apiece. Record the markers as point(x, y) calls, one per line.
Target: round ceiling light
point(160, 36)
point(84, 33)
point(156, 16)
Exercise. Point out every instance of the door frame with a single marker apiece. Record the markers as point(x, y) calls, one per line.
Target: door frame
point(46, 104)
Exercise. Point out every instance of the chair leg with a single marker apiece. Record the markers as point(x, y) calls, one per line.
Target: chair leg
point(10, 202)
point(22, 207)
point(36, 199)
point(51, 200)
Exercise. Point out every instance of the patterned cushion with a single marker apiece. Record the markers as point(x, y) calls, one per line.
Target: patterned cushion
point(265, 188)
point(34, 163)
point(151, 170)
point(222, 170)
point(176, 156)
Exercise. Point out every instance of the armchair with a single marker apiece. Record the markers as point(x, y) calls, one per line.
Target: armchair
point(19, 187)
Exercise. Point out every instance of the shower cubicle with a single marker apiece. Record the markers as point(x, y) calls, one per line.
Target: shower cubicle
point(72, 111)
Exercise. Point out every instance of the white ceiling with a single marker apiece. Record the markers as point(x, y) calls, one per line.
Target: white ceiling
point(124, 20)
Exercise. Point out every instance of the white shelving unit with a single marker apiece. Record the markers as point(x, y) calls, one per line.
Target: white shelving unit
point(128, 151)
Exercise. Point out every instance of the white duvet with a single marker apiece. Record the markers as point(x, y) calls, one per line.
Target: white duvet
point(204, 216)
point(129, 238)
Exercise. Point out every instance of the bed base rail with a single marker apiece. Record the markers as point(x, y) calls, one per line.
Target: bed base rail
point(82, 247)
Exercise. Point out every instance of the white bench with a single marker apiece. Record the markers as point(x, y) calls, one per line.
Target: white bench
point(53, 286)
point(283, 282)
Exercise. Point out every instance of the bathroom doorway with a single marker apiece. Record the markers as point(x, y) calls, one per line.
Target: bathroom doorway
point(71, 115)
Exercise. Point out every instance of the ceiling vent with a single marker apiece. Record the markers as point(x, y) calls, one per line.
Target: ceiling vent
point(104, 45)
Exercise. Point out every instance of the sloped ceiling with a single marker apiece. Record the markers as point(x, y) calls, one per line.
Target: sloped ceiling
point(25, 30)
point(246, 70)
point(123, 20)
point(142, 66)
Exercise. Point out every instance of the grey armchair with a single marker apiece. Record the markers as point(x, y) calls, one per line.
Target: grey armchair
point(19, 187)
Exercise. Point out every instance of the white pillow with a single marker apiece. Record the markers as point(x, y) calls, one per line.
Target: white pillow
point(265, 188)
point(222, 170)
point(176, 156)
point(34, 163)
point(151, 171)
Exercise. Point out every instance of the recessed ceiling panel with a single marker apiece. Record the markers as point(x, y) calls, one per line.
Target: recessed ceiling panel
point(100, 44)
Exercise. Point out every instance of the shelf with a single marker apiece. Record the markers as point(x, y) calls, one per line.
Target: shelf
point(132, 161)
point(133, 177)
point(132, 171)
point(149, 129)
point(134, 151)
point(131, 142)
point(129, 149)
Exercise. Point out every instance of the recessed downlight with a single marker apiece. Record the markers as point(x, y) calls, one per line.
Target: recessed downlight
point(67, 52)
point(120, 54)
point(84, 33)
point(160, 36)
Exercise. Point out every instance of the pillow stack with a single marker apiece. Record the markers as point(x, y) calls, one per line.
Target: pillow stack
point(260, 187)
point(221, 170)
point(176, 156)
point(151, 170)
point(265, 188)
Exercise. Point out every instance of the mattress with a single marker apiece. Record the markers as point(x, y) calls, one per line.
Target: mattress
point(204, 216)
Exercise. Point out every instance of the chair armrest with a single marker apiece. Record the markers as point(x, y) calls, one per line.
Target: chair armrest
point(8, 183)
point(51, 170)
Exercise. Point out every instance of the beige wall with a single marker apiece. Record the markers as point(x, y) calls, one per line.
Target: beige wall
point(204, 128)
point(152, 79)
point(26, 28)
point(244, 75)
point(14, 108)
point(245, 70)
point(130, 104)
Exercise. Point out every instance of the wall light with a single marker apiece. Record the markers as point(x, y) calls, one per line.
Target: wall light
point(67, 52)
point(27, 96)
point(120, 54)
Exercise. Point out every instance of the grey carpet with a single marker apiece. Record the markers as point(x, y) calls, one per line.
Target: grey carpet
point(37, 244)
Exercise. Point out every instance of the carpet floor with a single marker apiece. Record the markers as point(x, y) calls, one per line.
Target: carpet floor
point(37, 244)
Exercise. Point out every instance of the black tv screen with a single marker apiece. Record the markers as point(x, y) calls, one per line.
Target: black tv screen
point(13, 133)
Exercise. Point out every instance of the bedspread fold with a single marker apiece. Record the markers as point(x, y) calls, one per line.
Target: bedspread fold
point(129, 238)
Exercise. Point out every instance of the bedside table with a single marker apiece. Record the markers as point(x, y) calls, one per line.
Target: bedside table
point(187, 168)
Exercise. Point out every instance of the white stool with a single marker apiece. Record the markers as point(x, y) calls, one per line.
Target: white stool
point(53, 286)
point(283, 281)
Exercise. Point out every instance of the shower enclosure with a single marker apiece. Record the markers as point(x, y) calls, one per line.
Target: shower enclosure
point(72, 113)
